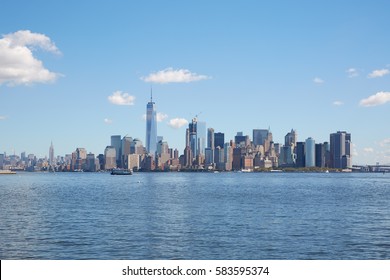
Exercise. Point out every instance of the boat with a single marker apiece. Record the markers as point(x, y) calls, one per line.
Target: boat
point(7, 172)
point(118, 171)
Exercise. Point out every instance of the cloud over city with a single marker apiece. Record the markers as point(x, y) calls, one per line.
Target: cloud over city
point(177, 122)
point(352, 72)
point(318, 80)
point(376, 99)
point(170, 75)
point(121, 98)
point(18, 65)
point(107, 121)
point(378, 73)
point(338, 103)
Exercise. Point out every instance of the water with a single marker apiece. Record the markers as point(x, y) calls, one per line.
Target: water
point(195, 216)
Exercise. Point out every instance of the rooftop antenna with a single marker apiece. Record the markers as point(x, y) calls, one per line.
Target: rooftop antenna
point(151, 94)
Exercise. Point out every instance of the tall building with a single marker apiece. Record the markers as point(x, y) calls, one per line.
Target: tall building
point(136, 147)
point(210, 138)
point(193, 140)
point(201, 137)
point(219, 139)
point(51, 154)
point(320, 155)
point(109, 158)
point(116, 142)
point(151, 127)
point(259, 136)
point(1, 161)
point(300, 152)
point(91, 165)
point(310, 152)
point(228, 156)
point(291, 138)
point(125, 150)
point(340, 150)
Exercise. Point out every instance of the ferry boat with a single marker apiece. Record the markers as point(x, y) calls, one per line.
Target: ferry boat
point(7, 172)
point(118, 171)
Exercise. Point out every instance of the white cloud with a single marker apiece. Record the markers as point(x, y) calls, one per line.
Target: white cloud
point(368, 150)
point(385, 142)
point(161, 116)
point(318, 80)
point(376, 99)
point(2, 118)
point(338, 103)
point(17, 62)
point(352, 72)
point(177, 122)
point(170, 75)
point(107, 121)
point(121, 98)
point(378, 73)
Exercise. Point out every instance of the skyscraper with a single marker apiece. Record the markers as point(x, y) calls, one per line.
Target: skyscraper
point(259, 136)
point(340, 150)
point(219, 139)
point(201, 136)
point(310, 155)
point(116, 142)
point(193, 141)
point(109, 158)
point(151, 127)
point(300, 152)
point(291, 138)
point(210, 138)
point(51, 154)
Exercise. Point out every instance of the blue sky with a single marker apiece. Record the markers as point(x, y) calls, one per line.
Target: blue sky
point(315, 66)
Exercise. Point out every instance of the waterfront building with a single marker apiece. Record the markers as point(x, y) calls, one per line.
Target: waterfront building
point(1, 161)
point(237, 153)
point(219, 157)
point(320, 155)
point(300, 154)
point(109, 158)
point(100, 158)
point(151, 127)
point(133, 162)
point(209, 156)
point(92, 164)
point(327, 154)
point(125, 149)
point(116, 142)
point(287, 157)
point(228, 156)
point(340, 150)
point(187, 158)
point(310, 152)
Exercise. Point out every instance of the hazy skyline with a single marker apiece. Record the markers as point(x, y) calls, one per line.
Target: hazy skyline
point(76, 73)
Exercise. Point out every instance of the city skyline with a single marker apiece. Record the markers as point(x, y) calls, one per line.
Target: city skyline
point(239, 67)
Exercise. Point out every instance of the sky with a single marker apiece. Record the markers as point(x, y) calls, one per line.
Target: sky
point(77, 72)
